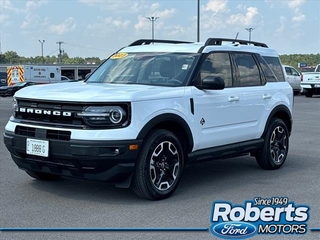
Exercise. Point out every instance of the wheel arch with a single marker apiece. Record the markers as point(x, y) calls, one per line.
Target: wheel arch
point(283, 113)
point(173, 123)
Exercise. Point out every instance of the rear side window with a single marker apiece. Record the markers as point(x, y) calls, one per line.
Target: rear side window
point(276, 67)
point(248, 71)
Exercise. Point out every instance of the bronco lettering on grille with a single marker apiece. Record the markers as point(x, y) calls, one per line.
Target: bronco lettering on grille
point(44, 112)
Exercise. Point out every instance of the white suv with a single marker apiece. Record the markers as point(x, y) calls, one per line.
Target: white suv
point(152, 108)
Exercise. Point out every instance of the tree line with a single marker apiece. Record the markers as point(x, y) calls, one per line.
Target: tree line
point(11, 57)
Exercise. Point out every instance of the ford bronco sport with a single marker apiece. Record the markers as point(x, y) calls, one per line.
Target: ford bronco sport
point(152, 108)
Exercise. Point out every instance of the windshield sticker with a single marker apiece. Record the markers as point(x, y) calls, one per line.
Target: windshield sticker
point(185, 66)
point(119, 55)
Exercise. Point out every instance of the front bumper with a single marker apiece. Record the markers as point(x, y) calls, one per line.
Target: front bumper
point(109, 161)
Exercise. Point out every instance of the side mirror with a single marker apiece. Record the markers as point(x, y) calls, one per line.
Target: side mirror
point(212, 83)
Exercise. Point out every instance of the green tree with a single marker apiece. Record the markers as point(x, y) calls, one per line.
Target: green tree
point(3, 59)
point(12, 57)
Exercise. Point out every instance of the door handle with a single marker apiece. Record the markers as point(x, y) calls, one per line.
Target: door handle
point(233, 99)
point(266, 96)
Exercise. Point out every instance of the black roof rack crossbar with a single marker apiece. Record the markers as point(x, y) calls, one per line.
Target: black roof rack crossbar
point(149, 41)
point(218, 41)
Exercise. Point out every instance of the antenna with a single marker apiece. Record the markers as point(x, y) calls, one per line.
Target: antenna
point(237, 35)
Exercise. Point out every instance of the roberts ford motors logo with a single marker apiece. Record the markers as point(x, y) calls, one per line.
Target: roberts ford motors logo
point(44, 112)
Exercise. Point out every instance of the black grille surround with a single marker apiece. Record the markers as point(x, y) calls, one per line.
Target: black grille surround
point(63, 114)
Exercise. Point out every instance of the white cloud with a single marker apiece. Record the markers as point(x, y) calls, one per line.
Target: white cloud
point(31, 21)
point(216, 5)
point(112, 5)
point(120, 23)
point(282, 27)
point(299, 17)
point(67, 26)
point(295, 3)
point(144, 23)
point(32, 4)
point(244, 19)
point(154, 7)
point(3, 18)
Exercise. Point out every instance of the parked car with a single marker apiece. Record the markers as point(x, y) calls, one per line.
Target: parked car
point(310, 82)
point(293, 77)
point(11, 90)
point(3, 79)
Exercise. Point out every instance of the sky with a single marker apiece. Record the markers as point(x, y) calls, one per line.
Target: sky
point(98, 28)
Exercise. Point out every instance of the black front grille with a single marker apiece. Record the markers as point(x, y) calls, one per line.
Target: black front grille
point(50, 113)
point(43, 133)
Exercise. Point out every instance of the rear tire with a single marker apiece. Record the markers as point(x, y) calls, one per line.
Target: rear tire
point(159, 166)
point(276, 146)
point(309, 93)
point(42, 176)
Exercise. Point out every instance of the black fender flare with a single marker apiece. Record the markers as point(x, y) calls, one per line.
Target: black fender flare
point(178, 125)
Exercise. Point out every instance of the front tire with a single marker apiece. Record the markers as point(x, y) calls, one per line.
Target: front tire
point(276, 146)
point(42, 176)
point(159, 166)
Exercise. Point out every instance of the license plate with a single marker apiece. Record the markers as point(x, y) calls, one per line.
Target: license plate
point(37, 147)
point(317, 85)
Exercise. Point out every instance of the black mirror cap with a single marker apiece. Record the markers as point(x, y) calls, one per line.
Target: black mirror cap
point(212, 83)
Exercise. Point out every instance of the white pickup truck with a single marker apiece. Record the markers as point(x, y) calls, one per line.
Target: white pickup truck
point(311, 82)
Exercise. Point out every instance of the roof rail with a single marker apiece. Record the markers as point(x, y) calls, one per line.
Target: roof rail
point(218, 41)
point(149, 41)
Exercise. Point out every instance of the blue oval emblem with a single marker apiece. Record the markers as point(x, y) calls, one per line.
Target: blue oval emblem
point(233, 230)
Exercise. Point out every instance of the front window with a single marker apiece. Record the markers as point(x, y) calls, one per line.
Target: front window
point(164, 69)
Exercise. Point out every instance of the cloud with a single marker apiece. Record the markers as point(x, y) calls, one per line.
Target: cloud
point(67, 26)
point(112, 5)
point(295, 3)
point(216, 5)
point(282, 27)
point(32, 4)
point(249, 18)
point(299, 18)
point(144, 23)
point(31, 21)
point(3, 18)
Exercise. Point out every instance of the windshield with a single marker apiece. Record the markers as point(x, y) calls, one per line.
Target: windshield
point(165, 69)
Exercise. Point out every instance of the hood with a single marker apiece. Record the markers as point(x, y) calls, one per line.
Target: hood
point(98, 92)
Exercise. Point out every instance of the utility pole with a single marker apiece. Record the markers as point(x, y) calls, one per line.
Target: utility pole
point(60, 51)
point(249, 30)
point(152, 19)
point(198, 22)
point(42, 42)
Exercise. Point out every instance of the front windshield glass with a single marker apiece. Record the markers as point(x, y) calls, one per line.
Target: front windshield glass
point(165, 69)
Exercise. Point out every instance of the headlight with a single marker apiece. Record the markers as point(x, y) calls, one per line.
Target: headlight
point(14, 105)
point(108, 116)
